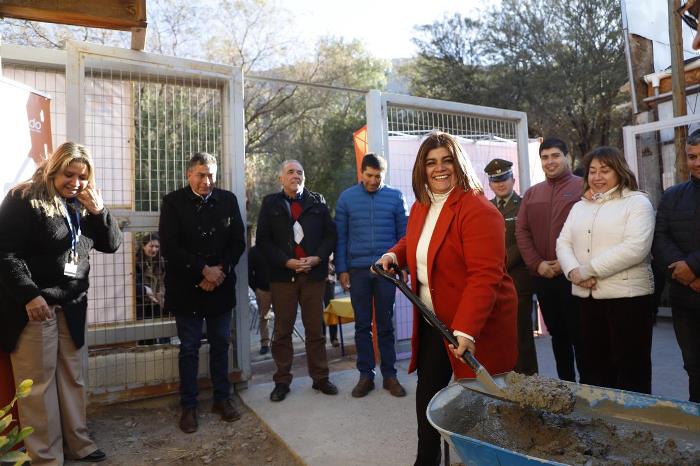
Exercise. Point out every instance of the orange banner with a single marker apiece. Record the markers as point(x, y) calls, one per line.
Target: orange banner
point(360, 139)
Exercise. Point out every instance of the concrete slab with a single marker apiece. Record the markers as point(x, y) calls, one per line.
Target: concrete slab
point(378, 429)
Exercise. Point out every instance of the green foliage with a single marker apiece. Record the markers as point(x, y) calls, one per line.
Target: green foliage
point(282, 120)
point(15, 435)
point(172, 121)
point(312, 125)
point(561, 62)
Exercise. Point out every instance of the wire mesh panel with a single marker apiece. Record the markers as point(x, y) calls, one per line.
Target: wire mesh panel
point(172, 120)
point(651, 153)
point(482, 138)
point(142, 127)
point(418, 121)
point(142, 117)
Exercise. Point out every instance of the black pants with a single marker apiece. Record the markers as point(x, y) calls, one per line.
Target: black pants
point(434, 373)
point(619, 335)
point(686, 323)
point(560, 310)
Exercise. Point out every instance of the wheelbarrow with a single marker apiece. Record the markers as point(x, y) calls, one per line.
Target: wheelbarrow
point(451, 408)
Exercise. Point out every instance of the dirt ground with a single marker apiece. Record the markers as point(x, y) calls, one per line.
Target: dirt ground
point(146, 433)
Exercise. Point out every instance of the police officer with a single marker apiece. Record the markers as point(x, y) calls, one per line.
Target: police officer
point(502, 181)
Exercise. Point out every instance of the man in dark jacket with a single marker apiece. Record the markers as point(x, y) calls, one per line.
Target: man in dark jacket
point(202, 238)
point(296, 235)
point(371, 218)
point(542, 214)
point(677, 249)
point(507, 201)
point(259, 282)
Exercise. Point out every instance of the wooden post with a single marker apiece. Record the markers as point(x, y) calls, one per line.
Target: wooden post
point(678, 82)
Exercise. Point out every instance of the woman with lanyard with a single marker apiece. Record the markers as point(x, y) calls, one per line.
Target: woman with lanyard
point(48, 225)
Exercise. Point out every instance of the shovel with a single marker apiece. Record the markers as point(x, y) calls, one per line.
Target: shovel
point(482, 376)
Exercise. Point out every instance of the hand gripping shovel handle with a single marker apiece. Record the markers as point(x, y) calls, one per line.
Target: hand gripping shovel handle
point(482, 375)
point(425, 312)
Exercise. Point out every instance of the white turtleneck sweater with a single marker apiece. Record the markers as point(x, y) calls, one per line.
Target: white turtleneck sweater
point(437, 202)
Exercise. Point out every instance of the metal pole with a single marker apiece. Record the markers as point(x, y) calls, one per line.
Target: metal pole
point(628, 56)
point(375, 123)
point(678, 81)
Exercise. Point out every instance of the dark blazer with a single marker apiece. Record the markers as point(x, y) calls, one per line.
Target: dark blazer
point(515, 265)
point(34, 249)
point(677, 236)
point(470, 289)
point(258, 274)
point(275, 236)
point(194, 233)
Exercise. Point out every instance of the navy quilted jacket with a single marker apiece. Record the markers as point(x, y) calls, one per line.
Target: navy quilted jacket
point(677, 236)
point(368, 225)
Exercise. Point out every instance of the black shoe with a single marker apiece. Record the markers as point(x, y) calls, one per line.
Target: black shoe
point(280, 392)
point(325, 386)
point(228, 411)
point(188, 420)
point(94, 457)
point(264, 349)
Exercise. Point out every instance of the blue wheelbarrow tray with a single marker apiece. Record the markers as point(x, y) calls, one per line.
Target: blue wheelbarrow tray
point(647, 429)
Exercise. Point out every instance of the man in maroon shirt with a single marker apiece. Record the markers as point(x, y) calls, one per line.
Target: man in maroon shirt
point(543, 211)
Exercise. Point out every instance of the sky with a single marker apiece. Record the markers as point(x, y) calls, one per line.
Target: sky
point(385, 26)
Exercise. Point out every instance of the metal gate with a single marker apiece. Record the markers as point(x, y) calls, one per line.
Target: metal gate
point(142, 116)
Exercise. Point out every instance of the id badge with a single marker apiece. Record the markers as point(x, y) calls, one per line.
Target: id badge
point(70, 269)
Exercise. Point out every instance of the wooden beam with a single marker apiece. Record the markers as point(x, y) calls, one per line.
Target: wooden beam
point(678, 81)
point(122, 15)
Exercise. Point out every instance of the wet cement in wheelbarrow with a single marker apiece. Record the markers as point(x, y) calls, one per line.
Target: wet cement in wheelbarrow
point(543, 393)
point(575, 438)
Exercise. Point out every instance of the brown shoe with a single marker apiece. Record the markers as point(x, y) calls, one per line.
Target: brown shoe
point(394, 387)
point(188, 420)
point(228, 411)
point(363, 387)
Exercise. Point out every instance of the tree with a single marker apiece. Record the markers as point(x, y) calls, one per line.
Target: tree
point(450, 60)
point(282, 120)
point(313, 125)
point(561, 62)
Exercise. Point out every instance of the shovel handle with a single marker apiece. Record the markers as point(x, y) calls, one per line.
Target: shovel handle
point(391, 275)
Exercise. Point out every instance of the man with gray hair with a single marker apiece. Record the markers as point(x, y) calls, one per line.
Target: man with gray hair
point(297, 235)
point(202, 238)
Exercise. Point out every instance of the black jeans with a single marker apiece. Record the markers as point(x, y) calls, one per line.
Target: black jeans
point(561, 312)
point(620, 332)
point(189, 330)
point(434, 373)
point(686, 323)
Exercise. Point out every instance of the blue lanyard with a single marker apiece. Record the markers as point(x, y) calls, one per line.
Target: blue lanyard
point(74, 227)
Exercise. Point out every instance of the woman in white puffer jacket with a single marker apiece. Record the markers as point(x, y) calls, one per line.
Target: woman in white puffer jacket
point(603, 249)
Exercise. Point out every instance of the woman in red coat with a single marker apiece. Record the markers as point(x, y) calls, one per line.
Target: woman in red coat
point(455, 252)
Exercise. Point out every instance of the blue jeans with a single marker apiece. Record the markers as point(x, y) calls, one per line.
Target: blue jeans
point(686, 323)
point(363, 287)
point(189, 331)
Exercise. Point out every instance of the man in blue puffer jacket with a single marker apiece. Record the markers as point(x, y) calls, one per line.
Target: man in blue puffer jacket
point(370, 218)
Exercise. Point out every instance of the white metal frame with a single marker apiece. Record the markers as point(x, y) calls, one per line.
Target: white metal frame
point(377, 103)
point(629, 135)
point(80, 56)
